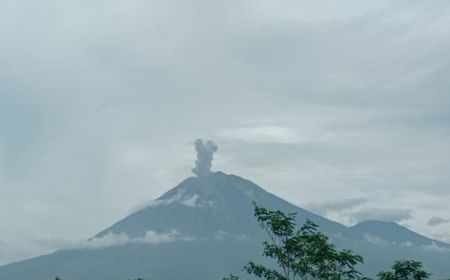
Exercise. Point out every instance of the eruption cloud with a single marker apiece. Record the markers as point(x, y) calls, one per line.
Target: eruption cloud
point(205, 151)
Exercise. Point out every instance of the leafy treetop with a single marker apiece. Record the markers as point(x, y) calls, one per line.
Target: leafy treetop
point(405, 270)
point(304, 254)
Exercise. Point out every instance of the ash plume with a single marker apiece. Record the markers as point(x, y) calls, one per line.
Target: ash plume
point(205, 151)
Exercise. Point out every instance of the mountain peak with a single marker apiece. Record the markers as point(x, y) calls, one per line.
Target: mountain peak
point(214, 188)
point(198, 206)
point(202, 206)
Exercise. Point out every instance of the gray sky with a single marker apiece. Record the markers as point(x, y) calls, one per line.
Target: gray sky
point(341, 107)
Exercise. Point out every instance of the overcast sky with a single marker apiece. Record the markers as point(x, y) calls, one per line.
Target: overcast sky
point(341, 107)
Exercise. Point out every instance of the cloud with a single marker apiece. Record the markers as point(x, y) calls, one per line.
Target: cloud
point(378, 241)
point(407, 244)
point(16, 250)
point(442, 236)
point(108, 240)
point(387, 214)
point(191, 201)
point(261, 134)
point(152, 203)
point(435, 220)
point(336, 205)
point(221, 235)
point(333, 98)
point(11, 251)
point(179, 197)
point(435, 247)
point(114, 239)
point(152, 237)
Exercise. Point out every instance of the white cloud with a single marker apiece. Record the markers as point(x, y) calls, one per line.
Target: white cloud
point(336, 205)
point(108, 240)
point(16, 250)
point(191, 201)
point(376, 240)
point(261, 134)
point(442, 236)
point(20, 250)
point(118, 239)
point(150, 203)
point(221, 234)
point(179, 197)
point(152, 237)
point(407, 244)
point(158, 202)
point(435, 247)
point(387, 214)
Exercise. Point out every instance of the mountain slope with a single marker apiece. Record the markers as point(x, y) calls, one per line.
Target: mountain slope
point(204, 228)
point(203, 206)
point(393, 233)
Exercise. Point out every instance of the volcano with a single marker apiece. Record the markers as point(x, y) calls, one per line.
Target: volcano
point(204, 229)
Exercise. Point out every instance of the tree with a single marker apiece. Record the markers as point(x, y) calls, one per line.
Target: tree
point(405, 270)
point(300, 254)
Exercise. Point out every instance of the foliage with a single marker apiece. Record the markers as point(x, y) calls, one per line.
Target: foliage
point(300, 254)
point(405, 270)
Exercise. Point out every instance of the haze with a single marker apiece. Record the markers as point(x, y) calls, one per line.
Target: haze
point(339, 107)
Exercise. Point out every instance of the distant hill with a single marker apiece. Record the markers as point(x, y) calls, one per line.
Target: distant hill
point(204, 229)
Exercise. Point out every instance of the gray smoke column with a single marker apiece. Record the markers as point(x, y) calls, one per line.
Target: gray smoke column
point(205, 151)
